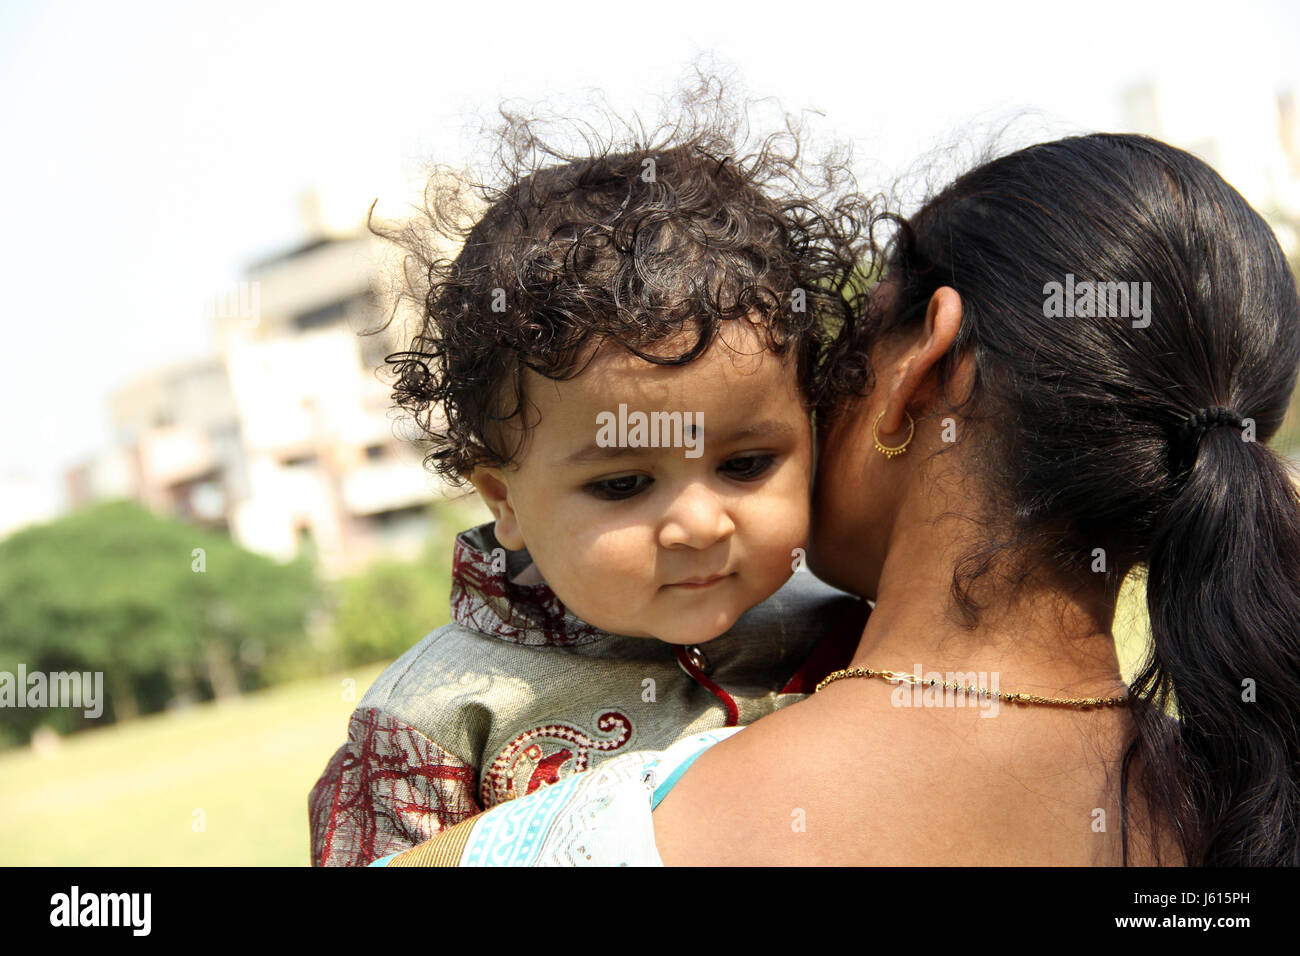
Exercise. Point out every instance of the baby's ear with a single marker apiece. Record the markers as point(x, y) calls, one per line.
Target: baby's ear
point(494, 489)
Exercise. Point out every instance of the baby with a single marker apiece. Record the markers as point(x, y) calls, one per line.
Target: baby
point(621, 359)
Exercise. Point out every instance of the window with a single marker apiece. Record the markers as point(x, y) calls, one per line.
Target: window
point(321, 317)
point(333, 312)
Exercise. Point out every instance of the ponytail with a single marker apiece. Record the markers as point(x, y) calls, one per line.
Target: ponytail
point(1217, 704)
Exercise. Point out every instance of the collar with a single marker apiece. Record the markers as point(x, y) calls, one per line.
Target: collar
point(485, 599)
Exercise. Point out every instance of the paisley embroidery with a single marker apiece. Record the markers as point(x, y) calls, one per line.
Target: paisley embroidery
point(544, 755)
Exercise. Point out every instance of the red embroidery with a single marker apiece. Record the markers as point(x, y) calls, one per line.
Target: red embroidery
point(728, 702)
point(387, 789)
point(547, 770)
point(484, 599)
point(526, 760)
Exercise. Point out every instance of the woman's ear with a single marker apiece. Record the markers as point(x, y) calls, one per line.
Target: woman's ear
point(942, 323)
point(494, 489)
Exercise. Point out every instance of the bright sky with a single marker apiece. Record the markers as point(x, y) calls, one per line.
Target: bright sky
point(154, 149)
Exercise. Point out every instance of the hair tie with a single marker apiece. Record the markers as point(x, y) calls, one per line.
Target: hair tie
point(1201, 421)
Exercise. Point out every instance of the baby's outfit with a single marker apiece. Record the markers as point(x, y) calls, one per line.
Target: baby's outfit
point(516, 694)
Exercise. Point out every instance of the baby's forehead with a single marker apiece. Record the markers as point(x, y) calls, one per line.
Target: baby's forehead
point(737, 387)
point(739, 360)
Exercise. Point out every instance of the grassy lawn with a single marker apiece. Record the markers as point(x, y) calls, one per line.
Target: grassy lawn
point(128, 795)
point(1132, 629)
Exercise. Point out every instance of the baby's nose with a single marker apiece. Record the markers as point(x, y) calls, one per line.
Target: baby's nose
point(697, 518)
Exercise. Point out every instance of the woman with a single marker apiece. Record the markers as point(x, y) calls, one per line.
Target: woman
point(1070, 370)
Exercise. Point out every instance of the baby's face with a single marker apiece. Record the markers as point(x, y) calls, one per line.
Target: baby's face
point(673, 543)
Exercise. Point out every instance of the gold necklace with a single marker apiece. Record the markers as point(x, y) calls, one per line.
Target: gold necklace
point(896, 677)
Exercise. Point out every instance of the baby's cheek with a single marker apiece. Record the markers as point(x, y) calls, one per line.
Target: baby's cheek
point(612, 579)
point(596, 599)
point(780, 541)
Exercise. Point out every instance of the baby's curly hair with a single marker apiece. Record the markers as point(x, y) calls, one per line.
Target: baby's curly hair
point(648, 242)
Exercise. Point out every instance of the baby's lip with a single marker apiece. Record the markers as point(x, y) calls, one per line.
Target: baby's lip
point(700, 582)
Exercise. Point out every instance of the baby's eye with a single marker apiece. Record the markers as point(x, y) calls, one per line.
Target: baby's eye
point(747, 467)
point(624, 486)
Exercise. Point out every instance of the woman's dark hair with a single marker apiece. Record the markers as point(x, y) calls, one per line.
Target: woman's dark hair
point(648, 242)
point(1081, 424)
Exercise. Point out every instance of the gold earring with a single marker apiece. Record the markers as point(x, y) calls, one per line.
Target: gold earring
point(898, 449)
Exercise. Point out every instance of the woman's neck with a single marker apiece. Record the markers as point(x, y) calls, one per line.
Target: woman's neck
point(1042, 639)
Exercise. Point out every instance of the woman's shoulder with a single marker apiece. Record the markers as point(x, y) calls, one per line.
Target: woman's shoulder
point(863, 782)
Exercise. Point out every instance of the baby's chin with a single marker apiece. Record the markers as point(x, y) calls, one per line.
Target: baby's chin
point(703, 624)
point(694, 628)
point(687, 618)
point(685, 640)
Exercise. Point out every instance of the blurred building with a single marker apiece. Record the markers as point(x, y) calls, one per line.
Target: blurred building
point(286, 437)
point(175, 446)
point(323, 463)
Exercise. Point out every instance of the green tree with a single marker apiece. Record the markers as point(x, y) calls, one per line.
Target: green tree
point(388, 607)
point(392, 604)
point(160, 607)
